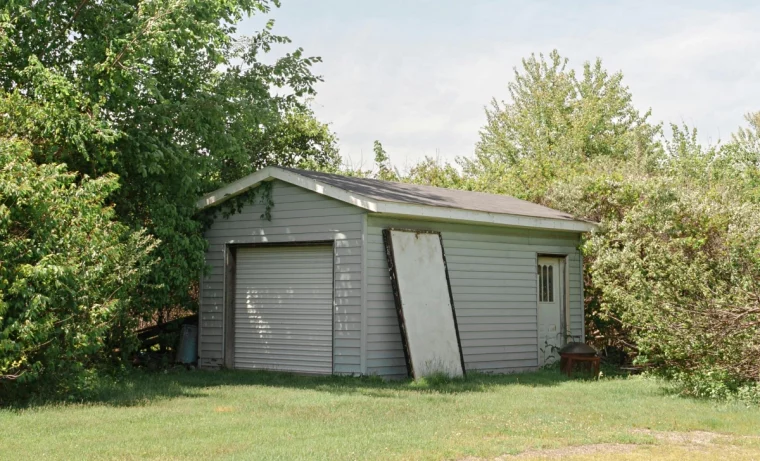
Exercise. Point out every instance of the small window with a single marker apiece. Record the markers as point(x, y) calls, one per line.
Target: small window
point(546, 283)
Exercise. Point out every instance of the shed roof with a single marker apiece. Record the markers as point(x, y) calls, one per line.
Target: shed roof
point(411, 200)
point(400, 192)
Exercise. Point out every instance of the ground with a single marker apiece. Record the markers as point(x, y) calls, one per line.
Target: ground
point(250, 415)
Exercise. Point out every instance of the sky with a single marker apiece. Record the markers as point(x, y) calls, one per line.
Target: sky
point(417, 74)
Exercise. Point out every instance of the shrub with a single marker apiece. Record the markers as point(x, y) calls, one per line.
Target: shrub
point(677, 265)
point(67, 271)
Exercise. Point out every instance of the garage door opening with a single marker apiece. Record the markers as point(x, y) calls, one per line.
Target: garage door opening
point(283, 309)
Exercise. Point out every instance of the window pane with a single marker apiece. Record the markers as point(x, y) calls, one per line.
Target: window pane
point(544, 290)
point(551, 284)
point(539, 282)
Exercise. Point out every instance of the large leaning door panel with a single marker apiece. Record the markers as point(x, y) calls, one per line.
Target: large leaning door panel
point(424, 303)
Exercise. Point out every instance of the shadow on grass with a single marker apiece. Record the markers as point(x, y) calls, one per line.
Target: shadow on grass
point(142, 388)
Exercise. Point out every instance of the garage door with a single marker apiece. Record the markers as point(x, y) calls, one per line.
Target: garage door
point(283, 309)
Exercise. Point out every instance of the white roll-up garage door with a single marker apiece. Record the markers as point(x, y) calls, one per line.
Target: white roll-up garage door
point(283, 309)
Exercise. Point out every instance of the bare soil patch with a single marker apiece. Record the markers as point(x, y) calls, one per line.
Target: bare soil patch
point(558, 453)
point(684, 438)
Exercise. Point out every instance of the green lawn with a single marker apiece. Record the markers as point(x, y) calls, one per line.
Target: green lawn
point(241, 415)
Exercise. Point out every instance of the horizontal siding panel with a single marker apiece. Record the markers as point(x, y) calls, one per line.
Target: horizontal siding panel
point(399, 363)
point(516, 366)
point(383, 321)
point(216, 245)
point(392, 344)
point(463, 319)
point(499, 334)
point(494, 262)
point(346, 344)
point(298, 233)
point(493, 268)
point(347, 359)
point(495, 344)
point(296, 210)
point(390, 372)
point(212, 327)
point(350, 369)
point(291, 237)
point(527, 296)
point(336, 221)
point(459, 274)
point(492, 285)
point(465, 328)
point(508, 312)
point(493, 358)
point(385, 354)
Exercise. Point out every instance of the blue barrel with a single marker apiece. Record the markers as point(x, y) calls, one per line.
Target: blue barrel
point(188, 344)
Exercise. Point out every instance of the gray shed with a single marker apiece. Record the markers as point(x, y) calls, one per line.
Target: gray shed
point(309, 290)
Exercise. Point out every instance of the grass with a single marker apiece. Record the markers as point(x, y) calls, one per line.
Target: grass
point(259, 415)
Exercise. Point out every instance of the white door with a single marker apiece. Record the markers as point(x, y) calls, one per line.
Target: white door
point(283, 309)
point(550, 292)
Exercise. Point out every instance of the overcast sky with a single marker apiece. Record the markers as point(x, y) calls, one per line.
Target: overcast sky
point(416, 74)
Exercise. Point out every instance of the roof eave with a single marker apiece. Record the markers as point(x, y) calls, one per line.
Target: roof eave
point(267, 174)
point(389, 208)
point(482, 217)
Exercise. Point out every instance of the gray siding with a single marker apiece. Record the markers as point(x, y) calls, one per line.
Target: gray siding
point(492, 272)
point(298, 216)
point(493, 280)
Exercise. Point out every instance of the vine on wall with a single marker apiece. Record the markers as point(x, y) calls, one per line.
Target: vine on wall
point(262, 193)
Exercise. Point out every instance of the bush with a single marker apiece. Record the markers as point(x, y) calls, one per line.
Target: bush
point(67, 274)
point(677, 266)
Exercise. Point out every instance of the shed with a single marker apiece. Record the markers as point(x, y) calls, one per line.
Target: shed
point(308, 290)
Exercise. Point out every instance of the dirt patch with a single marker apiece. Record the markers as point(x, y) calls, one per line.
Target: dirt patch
point(558, 453)
point(693, 440)
point(684, 438)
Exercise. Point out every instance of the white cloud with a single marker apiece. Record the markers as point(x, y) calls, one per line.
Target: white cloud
point(418, 82)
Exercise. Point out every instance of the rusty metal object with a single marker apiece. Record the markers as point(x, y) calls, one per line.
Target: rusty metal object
point(579, 353)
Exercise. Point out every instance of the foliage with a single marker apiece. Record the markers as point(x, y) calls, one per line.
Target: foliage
point(677, 269)
point(672, 274)
point(554, 122)
point(435, 173)
point(164, 94)
point(743, 158)
point(68, 275)
point(383, 164)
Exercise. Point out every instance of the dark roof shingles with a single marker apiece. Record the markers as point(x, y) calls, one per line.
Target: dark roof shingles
point(397, 192)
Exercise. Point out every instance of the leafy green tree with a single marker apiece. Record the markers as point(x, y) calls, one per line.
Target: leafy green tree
point(554, 122)
point(742, 153)
point(69, 275)
point(164, 94)
point(436, 173)
point(385, 170)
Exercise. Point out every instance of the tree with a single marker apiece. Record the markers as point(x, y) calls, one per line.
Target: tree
point(743, 156)
point(554, 122)
point(165, 95)
point(435, 173)
point(69, 275)
point(385, 170)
